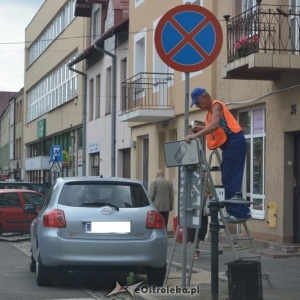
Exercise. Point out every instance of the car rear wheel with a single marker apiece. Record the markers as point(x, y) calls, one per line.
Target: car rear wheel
point(32, 263)
point(43, 274)
point(156, 276)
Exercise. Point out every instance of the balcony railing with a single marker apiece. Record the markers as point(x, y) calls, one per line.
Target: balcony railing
point(147, 91)
point(263, 29)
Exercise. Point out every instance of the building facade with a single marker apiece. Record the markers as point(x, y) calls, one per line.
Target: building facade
point(53, 94)
point(260, 85)
point(107, 141)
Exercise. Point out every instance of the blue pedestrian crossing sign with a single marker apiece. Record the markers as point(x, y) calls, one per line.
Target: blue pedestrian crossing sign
point(56, 153)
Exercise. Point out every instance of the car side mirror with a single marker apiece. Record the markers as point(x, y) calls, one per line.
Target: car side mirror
point(30, 209)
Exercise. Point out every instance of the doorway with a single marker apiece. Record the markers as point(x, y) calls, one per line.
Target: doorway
point(296, 210)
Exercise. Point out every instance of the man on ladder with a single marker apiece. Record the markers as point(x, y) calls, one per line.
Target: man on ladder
point(223, 131)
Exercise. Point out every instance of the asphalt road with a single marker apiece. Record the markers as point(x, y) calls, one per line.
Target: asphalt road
point(18, 283)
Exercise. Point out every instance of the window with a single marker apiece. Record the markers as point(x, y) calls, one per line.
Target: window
point(247, 4)
point(163, 79)
point(58, 87)
point(58, 24)
point(123, 76)
point(32, 198)
point(140, 52)
point(108, 92)
point(97, 195)
point(96, 24)
point(145, 162)
point(294, 8)
point(139, 64)
point(253, 124)
point(10, 200)
point(91, 100)
point(98, 93)
point(95, 157)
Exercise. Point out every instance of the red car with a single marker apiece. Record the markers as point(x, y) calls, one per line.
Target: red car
point(12, 217)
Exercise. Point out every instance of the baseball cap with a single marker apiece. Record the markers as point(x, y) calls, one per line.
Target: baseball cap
point(197, 92)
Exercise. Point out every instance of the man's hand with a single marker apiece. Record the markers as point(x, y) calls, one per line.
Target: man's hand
point(188, 138)
point(197, 128)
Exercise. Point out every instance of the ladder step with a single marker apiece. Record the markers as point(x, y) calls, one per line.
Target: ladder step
point(247, 257)
point(242, 239)
point(215, 169)
point(239, 221)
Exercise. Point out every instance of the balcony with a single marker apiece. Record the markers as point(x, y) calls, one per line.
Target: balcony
point(263, 42)
point(146, 97)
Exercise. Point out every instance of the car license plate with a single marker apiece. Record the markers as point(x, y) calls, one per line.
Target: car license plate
point(108, 227)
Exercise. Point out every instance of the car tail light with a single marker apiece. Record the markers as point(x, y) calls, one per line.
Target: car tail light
point(54, 218)
point(155, 220)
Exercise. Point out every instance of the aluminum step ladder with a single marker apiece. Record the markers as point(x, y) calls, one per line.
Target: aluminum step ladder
point(234, 240)
point(238, 243)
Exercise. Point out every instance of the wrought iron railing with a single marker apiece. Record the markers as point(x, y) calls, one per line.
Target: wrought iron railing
point(147, 90)
point(263, 29)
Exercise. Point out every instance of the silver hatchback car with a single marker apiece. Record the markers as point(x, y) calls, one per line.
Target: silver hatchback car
point(93, 223)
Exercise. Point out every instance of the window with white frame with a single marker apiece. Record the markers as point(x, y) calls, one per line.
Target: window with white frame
point(96, 24)
point(163, 75)
point(108, 92)
point(98, 93)
point(91, 99)
point(294, 17)
point(139, 64)
point(253, 124)
point(123, 75)
point(52, 31)
point(247, 4)
point(56, 88)
point(140, 52)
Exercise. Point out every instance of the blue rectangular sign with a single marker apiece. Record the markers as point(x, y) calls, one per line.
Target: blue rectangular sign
point(56, 153)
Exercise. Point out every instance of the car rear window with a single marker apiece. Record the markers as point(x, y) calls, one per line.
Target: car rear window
point(122, 196)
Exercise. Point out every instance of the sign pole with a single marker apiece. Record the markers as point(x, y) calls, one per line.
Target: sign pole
point(185, 178)
point(188, 38)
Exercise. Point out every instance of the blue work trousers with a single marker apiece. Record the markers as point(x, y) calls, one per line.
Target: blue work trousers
point(232, 168)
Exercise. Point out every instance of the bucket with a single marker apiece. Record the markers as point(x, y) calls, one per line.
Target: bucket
point(175, 224)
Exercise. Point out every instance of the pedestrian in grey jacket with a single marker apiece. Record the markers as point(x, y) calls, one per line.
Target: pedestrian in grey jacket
point(161, 193)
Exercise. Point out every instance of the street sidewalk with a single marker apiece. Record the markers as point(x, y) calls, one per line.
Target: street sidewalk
point(284, 274)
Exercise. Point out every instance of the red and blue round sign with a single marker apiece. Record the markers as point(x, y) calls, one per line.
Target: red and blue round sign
point(188, 38)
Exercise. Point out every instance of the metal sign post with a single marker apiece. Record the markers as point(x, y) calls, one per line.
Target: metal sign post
point(188, 38)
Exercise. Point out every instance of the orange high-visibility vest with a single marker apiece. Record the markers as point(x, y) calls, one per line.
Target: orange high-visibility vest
point(219, 136)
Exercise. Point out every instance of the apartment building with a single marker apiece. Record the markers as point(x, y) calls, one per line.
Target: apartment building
point(53, 94)
point(260, 84)
point(107, 141)
point(7, 104)
point(16, 141)
point(5, 133)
